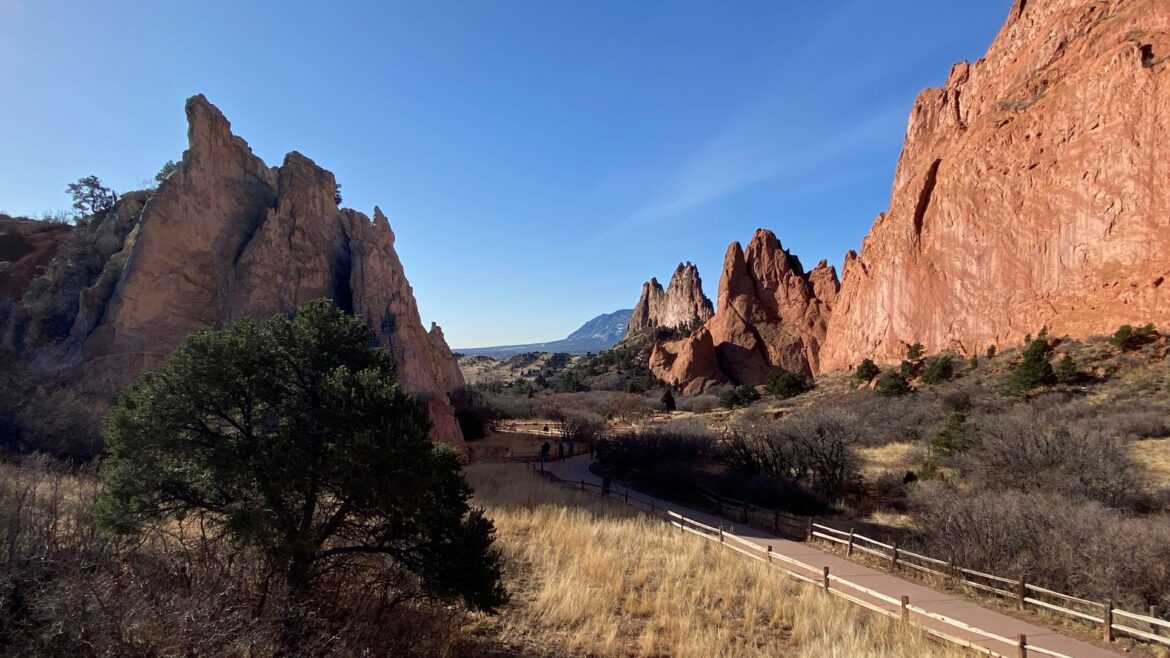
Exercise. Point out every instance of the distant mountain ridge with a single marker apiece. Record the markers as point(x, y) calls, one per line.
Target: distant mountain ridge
point(600, 333)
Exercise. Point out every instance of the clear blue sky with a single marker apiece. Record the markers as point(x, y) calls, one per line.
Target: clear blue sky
point(538, 160)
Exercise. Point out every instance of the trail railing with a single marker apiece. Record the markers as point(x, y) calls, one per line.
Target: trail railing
point(939, 626)
point(1102, 614)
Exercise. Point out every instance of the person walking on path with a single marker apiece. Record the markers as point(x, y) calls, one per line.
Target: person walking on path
point(545, 448)
point(570, 447)
point(560, 450)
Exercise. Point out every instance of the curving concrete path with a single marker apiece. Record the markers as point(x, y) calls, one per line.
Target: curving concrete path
point(1039, 638)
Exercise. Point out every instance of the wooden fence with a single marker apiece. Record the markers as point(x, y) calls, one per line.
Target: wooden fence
point(873, 600)
point(781, 523)
point(1102, 614)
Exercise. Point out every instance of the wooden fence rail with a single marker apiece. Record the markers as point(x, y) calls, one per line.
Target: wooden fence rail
point(830, 583)
point(1102, 614)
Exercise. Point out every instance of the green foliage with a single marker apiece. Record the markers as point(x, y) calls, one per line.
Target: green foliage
point(892, 384)
point(571, 383)
point(915, 351)
point(165, 172)
point(668, 402)
point(292, 437)
point(739, 396)
point(1066, 371)
point(974, 363)
point(907, 369)
point(787, 384)
point(952, 438)
point(1034, 369)
point(866, 371)
point(991, 351)
point(1128, 338)
point(90, 197)
point(938, 370)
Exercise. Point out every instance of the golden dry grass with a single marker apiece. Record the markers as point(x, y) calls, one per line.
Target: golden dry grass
point(590, 577)
point(1153, 455)
point(895, 457)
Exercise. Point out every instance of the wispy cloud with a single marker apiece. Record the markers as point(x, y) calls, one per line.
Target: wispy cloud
point(752, 151)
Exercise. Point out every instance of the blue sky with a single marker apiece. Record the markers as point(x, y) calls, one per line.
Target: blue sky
point(538, 160)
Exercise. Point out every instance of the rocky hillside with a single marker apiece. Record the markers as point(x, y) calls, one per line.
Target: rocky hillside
point(1031, 191)
point(771, 314)
point(225, 236)
point(681, 304)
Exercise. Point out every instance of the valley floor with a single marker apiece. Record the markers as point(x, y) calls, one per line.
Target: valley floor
point(591, 577)
point(951, 606)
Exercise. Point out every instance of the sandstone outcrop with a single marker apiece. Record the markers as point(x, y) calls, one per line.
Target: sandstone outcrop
point(771, 315)
point(681, 304)
point(227, 236)
point(1032, 190)
point(26, 248)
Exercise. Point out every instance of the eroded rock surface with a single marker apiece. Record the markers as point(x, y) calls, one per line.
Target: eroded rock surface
point(681, 304)
point(1032, 190)
point(227, 236)
point(771, 315)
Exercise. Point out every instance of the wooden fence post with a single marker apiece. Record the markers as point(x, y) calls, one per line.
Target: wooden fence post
point(1022, 593)
point(769, 554)
point(1154, 628)
point(810, 529)
point(1021, 645)
point(894, 558)
point(627, 500)
point(826, 579)
point(1108, 620)
point(582, 484)
point(849, 548)
point(651, 507)
point(905, 609)
point(720, 534)
point(951, 573)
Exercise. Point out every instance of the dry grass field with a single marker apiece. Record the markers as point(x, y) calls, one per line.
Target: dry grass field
point(594, 578)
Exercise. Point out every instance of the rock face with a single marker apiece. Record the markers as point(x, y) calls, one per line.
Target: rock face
point(1032, 190)
point(771, 315)
point(26, 247)
point(226, 236)
point(681, 304)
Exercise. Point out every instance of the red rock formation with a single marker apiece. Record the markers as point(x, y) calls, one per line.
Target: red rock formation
point(682, 304)
point(1032, 190)
point(770, 315)
point(226, 236)
point(26, 247)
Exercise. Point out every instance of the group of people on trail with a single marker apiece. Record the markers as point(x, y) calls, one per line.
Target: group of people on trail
point(564, 449)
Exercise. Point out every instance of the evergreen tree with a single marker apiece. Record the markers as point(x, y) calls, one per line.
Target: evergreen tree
point(292, 437)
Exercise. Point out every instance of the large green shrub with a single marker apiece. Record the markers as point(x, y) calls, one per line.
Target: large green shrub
point(740, 396)
point(291, 437)
point(892, 384)
point(938, 370)
point(787, 384)
point(866, 371)
point(1034, 369)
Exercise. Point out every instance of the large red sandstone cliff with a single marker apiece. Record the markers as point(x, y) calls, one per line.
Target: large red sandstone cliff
point(227, 236)
point(1034, 189)
point(681, 304)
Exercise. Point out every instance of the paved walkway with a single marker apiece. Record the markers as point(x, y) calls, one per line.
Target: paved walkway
point(577, 469)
